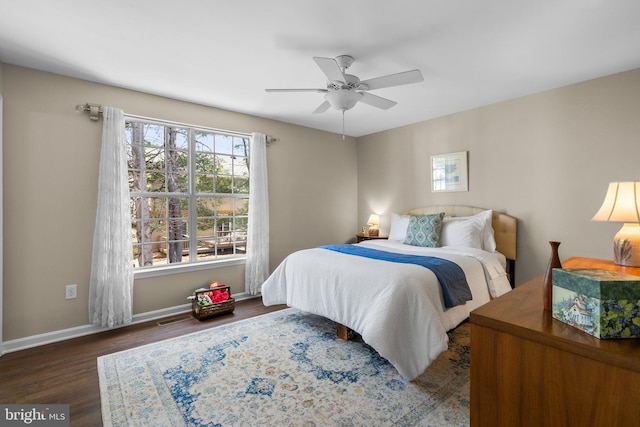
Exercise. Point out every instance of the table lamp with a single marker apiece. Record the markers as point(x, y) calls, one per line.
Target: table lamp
point(373, 222)
point(622, 204)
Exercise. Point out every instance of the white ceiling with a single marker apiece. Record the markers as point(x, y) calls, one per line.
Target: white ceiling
point(224, 53)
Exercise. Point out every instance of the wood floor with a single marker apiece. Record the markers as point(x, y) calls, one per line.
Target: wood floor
point(66, 372)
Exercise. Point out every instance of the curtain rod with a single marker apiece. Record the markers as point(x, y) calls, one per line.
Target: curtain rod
point(95, 109)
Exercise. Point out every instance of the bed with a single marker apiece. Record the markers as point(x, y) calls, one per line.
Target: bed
point(398, 307)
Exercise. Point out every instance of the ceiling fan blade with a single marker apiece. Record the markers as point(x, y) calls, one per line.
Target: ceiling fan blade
point(297, 90)
point(377, 101)
point(398, 79)
point(330, 68)
point(322, 108)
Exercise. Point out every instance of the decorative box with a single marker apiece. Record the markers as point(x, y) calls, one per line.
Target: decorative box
point(203, 310)
point(602, 303)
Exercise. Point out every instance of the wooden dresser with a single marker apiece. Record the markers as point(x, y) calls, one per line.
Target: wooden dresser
point(528, 369)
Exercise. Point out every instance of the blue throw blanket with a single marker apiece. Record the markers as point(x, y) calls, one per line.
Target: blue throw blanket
point(451, 277)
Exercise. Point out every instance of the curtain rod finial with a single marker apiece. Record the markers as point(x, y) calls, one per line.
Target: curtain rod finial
point(92, 109)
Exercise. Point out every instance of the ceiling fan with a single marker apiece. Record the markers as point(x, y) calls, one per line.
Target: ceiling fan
point(344, 91)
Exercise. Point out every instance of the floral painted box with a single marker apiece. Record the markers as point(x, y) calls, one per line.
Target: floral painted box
point(603, 303)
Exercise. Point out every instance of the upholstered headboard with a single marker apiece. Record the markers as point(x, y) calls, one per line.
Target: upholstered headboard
point(504, 228)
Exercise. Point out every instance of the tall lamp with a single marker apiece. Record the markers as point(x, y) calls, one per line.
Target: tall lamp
point(622, 204)
point(373, 222)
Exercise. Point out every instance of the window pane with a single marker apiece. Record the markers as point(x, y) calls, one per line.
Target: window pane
point(134, 180)
point(155, 232)
point(205, 163)
point(135, 208)
point(223, 184)
point(241, 223)
point(181, 138)
point(224, 207)
point(240, 146)
point(241, 185)
point(206, 248)
point(206, 206)
point(155, 182)
point(153, 135)
point(206, 227)
point(153, 158)
point(145, 257)
point(157, 207)
point(177, 182)
point(128, 133)
point(177, 160)
point(205, 183)
point(240, 166)
point(241, 206)
point(224, 144)
point(183, 183)
point(204, 142)
point(224, 165)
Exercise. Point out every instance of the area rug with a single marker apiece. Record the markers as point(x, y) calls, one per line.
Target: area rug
point(285, 368)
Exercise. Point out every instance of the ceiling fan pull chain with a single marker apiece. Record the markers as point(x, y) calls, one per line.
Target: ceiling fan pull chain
point(343, 125)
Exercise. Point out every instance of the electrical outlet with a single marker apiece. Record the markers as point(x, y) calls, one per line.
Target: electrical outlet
point(71, 291)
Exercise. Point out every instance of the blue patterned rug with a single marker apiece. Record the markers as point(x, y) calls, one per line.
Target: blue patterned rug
point(285, 368)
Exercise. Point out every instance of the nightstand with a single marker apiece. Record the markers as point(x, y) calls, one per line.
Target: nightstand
point(360, 237)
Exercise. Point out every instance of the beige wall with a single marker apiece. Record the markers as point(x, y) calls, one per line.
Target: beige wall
point(1, 210)
point(50, 179)
point(545, 159)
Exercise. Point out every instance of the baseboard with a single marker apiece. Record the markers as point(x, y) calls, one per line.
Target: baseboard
point(79, 331)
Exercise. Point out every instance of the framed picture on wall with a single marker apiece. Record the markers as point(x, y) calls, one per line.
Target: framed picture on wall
point(449, 172)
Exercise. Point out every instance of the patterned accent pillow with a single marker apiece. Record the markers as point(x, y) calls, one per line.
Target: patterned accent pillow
point(424, 230)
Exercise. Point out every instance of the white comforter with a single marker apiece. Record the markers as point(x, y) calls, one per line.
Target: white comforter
point(398, 309)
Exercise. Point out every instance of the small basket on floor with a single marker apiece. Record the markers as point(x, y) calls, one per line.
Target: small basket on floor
point(202, 312)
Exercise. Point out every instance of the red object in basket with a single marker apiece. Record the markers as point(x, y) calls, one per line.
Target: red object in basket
point(219, 296)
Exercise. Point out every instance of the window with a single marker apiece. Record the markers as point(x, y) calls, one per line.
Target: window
point(189, 191)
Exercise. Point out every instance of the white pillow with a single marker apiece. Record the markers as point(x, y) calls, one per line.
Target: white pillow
point(398, 229)
point(487, 239)
point(462, 232)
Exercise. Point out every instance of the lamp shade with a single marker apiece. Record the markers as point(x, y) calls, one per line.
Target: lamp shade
point(373, 220)
point(621, 204)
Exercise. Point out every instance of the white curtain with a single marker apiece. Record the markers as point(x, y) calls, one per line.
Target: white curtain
point(111, 283)
point(257, 265)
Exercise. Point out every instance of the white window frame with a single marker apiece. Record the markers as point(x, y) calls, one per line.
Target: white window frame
point(193, 264)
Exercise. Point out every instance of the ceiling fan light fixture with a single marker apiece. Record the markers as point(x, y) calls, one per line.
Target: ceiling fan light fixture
point(343, 99)
point(343, 91)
